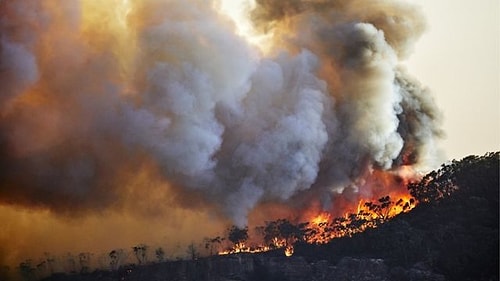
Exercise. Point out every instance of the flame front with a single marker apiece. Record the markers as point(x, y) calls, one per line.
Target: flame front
point(389, 197)
point(322, 227)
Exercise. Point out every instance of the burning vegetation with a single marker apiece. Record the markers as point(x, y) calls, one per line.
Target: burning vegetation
point(389, 196)
point(321, 229)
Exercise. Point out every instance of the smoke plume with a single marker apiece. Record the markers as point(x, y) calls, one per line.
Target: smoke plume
point(97, 93)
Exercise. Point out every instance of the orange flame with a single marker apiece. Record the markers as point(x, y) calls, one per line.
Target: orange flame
point(389, 198)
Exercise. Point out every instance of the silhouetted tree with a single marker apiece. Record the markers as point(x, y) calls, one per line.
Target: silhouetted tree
point(116, 258)
point(238, 236)
point(213, 244)
point(192, 252)
point(140, 252)
point(51, 260)
point(282, 231)
point(71, 263)
point(84, 260)
point(160, 254)
point(27, 270)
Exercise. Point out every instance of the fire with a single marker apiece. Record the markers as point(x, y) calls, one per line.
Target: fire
point(370, 212)
point(369, 215)
point(321, 219)
point(321, 227)
point(242, 248)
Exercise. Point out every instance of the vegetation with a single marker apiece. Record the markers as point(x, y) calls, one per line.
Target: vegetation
point(140, 252)
point(282, 233)
point(160, 254)
point(212, 245)
point(453, 231)
point(238, 236)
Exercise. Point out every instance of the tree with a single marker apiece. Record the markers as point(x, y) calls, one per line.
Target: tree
point(464, 176)
point(116, 258)
point(282, 233)
point(238, 236)
point(50, 261)
point(160, 254)
point(140, 252)
point(192, 252)
point(71, 262)
point(27, 271)
point(84, 260)
point(212, 244)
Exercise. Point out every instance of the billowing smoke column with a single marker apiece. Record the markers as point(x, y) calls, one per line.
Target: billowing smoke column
point(91, 90)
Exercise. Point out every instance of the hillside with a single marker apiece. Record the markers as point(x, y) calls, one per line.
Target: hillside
point(453, 231)
point(451, 235)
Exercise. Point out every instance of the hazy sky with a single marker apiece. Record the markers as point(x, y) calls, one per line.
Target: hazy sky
point(458, 58)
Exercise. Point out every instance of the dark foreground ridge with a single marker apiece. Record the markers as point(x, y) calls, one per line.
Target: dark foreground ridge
point(262, 267)
point(451, 235)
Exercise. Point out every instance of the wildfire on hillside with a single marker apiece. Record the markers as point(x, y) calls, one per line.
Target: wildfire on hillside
point(320, 227)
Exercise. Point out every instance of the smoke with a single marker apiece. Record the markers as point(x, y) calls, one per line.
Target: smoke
point(94, 93)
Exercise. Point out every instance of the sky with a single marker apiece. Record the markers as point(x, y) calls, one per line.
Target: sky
point(458, 58)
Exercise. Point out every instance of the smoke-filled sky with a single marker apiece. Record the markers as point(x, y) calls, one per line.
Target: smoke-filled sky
point(154, 121)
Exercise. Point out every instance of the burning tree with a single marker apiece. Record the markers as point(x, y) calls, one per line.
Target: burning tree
point(321, 229)
point(282, 233)
point(238, 236)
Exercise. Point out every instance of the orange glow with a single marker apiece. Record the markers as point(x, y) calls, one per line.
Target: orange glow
point(389, 198)
point(320, 219)
point(242, 248)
